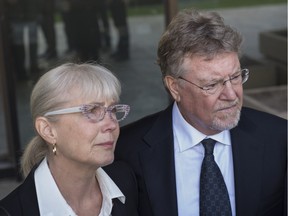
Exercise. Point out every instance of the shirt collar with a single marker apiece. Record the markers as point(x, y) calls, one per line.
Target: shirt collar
point(109, 191)
point(51, 202)
point(187, 136)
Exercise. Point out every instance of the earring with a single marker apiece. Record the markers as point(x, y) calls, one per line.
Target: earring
point(54, 149)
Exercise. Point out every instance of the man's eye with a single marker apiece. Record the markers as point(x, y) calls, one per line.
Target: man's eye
point(236, 77)
point(211, 86)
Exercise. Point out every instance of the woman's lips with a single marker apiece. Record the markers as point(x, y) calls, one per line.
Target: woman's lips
point(106, 144)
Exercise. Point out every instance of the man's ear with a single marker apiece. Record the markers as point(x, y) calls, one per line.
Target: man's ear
point(173, 86)
point(46, 130)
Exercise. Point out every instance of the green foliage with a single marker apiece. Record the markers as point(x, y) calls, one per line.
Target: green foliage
point(146, 10)
point(135, 10)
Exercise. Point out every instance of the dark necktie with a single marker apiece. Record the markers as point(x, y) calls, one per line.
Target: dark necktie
point(214, 198)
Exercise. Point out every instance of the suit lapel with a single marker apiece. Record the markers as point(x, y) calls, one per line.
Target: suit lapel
point(157, 161)
point(247, 158)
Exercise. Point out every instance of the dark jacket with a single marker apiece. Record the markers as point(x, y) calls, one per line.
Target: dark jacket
point(23, 200)
point(259, 147)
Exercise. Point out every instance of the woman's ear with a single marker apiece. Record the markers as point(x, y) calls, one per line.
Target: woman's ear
point(45, 129)
point(173, 86)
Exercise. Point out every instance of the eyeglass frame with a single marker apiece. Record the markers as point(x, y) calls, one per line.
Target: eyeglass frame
point(244, 73)
point(85, 109)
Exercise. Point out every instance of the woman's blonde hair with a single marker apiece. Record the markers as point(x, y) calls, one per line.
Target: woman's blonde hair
point(50, 93)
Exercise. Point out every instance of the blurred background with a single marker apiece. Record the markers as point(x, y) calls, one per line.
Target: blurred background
point(36, 35)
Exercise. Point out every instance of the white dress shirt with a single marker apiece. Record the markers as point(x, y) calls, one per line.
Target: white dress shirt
point(189, 153)
point(52, 203)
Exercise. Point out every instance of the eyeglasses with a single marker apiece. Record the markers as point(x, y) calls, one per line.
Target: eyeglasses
point(218, 86)
point(96, 112)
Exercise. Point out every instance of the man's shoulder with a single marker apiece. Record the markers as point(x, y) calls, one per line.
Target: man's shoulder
point(257, 114)
point(147, 122)
point(263, 121)
point(118, 170)
point(123, 176)
point(143, 122)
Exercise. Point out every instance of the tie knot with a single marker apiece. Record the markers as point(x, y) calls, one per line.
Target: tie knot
point(208, 145)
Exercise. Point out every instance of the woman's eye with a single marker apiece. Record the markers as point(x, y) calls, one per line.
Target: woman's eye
point(114, 110)
point(95, 109)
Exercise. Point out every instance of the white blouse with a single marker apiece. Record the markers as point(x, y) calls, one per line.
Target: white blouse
point(52, 203)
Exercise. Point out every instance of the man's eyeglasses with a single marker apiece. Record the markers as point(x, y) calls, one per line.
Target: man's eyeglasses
point(218, 86)
point(96, 112)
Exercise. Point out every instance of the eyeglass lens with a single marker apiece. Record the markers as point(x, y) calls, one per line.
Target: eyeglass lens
point(116, 112)
point(238, 79)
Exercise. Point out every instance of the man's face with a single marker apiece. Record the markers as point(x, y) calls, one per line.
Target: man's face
point(210, 113)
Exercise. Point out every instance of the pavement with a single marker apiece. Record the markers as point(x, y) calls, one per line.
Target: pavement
point(141, 80)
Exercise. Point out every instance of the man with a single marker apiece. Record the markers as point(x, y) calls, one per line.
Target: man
point(23, 16)
point(119, 16)
point(48, 28)
point(199, 59)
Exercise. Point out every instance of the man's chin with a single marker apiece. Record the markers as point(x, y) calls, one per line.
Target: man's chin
point(226, 122)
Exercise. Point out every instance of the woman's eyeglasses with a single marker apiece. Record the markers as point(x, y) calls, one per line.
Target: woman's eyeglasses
point(96, 112)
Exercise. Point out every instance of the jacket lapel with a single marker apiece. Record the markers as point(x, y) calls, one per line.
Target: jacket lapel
point(158, 158)
point(247, 158)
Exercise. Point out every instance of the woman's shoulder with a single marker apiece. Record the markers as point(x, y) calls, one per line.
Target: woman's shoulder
point(121, 173)
point(22, 199)
point(3, 212)
point(10, 204)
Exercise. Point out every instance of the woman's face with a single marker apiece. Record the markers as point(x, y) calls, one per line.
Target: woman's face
point(83, 142)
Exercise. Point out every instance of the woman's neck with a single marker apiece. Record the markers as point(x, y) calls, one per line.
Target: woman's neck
point(79, 187)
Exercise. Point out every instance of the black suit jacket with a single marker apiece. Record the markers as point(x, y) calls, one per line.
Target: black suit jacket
point(23, 200)
point(259, 146)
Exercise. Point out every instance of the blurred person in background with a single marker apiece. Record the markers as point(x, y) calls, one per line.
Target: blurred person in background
point(47, 25)
point(85, 30)
point(81, 26)
point(104, 24)
point(118, 9)
point(64, 7)
point(23, 17)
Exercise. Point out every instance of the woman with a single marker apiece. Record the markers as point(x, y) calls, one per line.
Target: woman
point(75, 113)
